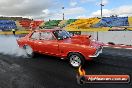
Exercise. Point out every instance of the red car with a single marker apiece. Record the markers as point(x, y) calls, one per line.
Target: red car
point(61, 44)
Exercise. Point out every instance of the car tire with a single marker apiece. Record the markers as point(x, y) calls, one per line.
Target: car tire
point(76, 60)
point(29, 51)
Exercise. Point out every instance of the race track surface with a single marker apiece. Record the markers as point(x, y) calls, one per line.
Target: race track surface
point(51, 72)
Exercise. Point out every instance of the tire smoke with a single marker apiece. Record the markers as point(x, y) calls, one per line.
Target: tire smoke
point(8, 45)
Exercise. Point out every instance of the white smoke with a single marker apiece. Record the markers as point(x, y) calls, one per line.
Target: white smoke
point(8, 45)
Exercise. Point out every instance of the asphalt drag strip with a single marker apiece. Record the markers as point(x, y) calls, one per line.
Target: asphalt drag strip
point(51, 72)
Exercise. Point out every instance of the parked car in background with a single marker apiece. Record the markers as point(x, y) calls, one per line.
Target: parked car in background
point(77, 49)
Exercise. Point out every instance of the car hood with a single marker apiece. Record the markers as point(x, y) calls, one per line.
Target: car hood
point(83, 40)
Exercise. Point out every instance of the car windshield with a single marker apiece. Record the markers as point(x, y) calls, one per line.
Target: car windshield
point(61, 34)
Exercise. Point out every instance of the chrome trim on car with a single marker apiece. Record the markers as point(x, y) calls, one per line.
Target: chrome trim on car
point(98, 51)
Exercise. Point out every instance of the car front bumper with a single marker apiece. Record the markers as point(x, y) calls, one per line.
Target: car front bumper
point(98, 51)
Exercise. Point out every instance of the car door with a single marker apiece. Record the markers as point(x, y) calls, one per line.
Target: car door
point(49, 44)
point(34, 41)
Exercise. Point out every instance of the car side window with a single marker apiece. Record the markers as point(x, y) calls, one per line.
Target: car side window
point(35, 36)
point(46, 36)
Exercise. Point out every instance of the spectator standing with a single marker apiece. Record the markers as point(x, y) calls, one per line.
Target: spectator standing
point(13, 31)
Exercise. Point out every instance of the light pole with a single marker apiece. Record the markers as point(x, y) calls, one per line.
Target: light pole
point(63, 13)
point(101, 5)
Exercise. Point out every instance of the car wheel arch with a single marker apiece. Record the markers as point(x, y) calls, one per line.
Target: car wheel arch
point(25, 45)
point(33, 53)
point(69, 53)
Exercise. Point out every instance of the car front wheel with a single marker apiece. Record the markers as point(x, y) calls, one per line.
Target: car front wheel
point(76, 60)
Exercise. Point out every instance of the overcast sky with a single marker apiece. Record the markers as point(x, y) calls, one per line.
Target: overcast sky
point(52, 9)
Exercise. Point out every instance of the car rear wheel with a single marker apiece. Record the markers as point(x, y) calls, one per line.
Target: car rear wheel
point(76, 60)
point(29, 51)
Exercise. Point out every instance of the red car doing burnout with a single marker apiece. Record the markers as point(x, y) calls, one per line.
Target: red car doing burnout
point(77, 49)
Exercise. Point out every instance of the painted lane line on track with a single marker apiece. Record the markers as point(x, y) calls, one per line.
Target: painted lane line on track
point(118, 47)
point(128, 48)
point(123, 45)
point(106, 46)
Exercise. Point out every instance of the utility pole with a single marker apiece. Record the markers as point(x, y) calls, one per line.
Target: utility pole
point(63, 13)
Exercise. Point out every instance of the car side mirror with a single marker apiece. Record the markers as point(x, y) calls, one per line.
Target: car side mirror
point(90, 36)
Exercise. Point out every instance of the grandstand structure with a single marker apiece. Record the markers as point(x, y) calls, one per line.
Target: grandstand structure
point(83, 23)
point(130, 21)
point(62, 23)
point(25, 23)
point(51, 24)
point(6, 25)
point(88, 24)
point(71, 21)
point(28, 24)
point(113, 22)
point(9, 23)
point(91, 24)
point(14, 18)
point(36, 24)
point(104, 24)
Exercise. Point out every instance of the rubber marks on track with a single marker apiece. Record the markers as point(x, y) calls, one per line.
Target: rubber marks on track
point(118, 46)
